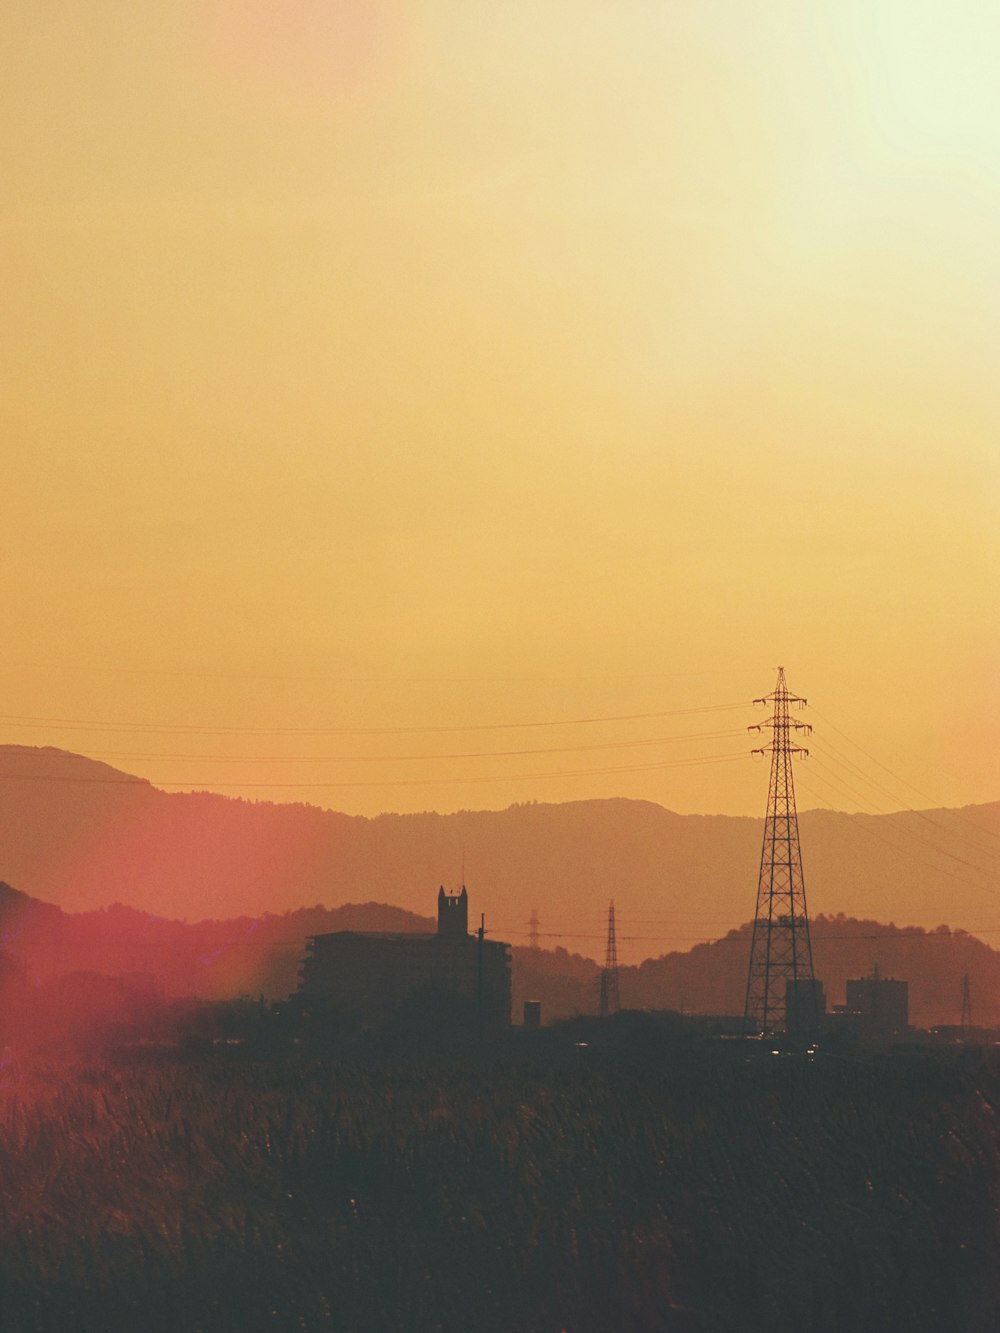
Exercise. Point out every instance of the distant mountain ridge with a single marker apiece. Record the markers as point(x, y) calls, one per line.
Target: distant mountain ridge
point(79, 833)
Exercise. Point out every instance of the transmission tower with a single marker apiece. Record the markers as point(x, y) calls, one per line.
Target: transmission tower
point(966, 1002)
point(780, 949)
point(533, 925)
point(609, 1003)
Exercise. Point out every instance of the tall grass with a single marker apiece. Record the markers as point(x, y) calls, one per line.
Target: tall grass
point(578, 1192)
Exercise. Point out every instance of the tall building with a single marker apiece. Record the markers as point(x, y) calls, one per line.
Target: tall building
point(372, 975)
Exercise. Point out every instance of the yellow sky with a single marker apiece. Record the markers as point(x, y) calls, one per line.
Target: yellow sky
point(387, 366)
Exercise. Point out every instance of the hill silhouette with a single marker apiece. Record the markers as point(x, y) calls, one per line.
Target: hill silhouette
point(208, 959)
point(84, 835)
point(41, 946)
point(711, 978)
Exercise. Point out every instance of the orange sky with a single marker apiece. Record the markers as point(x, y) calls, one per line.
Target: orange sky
point(397, 367)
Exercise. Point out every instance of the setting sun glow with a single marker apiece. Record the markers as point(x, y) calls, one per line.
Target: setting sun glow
point(379, 378)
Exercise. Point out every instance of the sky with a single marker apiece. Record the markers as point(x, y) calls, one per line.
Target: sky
point(379, 379)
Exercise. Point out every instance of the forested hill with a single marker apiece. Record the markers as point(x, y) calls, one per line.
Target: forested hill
point(209, 959)
point(711, 978)
point(84, 835)
point(254, 956)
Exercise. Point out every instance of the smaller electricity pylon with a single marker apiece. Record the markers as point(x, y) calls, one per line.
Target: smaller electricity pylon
point(609, 1001)
point(533, 925)
point(966, 1002)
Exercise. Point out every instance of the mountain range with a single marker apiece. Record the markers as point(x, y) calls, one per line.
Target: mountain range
point(82, 835)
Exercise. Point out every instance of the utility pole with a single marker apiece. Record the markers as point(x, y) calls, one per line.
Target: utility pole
point(966, 1002)
point(608, 1002)
point(780, 948)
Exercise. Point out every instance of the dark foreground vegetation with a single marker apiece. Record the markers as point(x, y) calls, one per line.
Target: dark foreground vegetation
point(640, 1182)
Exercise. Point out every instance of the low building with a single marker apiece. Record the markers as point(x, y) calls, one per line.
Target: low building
point(371, 976)
point(880, 1006)
point(805, 1007)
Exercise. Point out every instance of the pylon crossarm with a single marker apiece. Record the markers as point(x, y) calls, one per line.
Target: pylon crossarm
point(780, 721)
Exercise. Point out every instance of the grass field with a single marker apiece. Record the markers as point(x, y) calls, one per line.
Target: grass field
point(544, 1187)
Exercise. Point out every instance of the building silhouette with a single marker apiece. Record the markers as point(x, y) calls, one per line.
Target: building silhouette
point(879, 1006)
point(805, 1007)
point(371, 976)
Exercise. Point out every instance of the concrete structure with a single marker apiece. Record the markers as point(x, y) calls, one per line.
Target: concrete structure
point(370, 976)
point(882, 1003)
point(805, 1007)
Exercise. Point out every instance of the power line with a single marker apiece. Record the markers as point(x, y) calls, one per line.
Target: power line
point(738, 935)
point(78, 724)
point(400, 758)
point(832, 780)
point(387, 782)
point(881, 814)
point(851, 766)
point(347, 679)
point(891, 815)
point(905, 851)
point(934, 802)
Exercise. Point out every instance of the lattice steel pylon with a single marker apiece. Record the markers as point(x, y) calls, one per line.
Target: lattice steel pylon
point(533, 924)
point(780, 948)
point(966, 1002)
point(608, 1002)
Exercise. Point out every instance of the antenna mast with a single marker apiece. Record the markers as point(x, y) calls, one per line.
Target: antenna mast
point(780, 947)
point(609, 1003)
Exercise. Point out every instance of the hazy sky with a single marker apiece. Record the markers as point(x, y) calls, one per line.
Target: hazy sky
point(397, 366)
